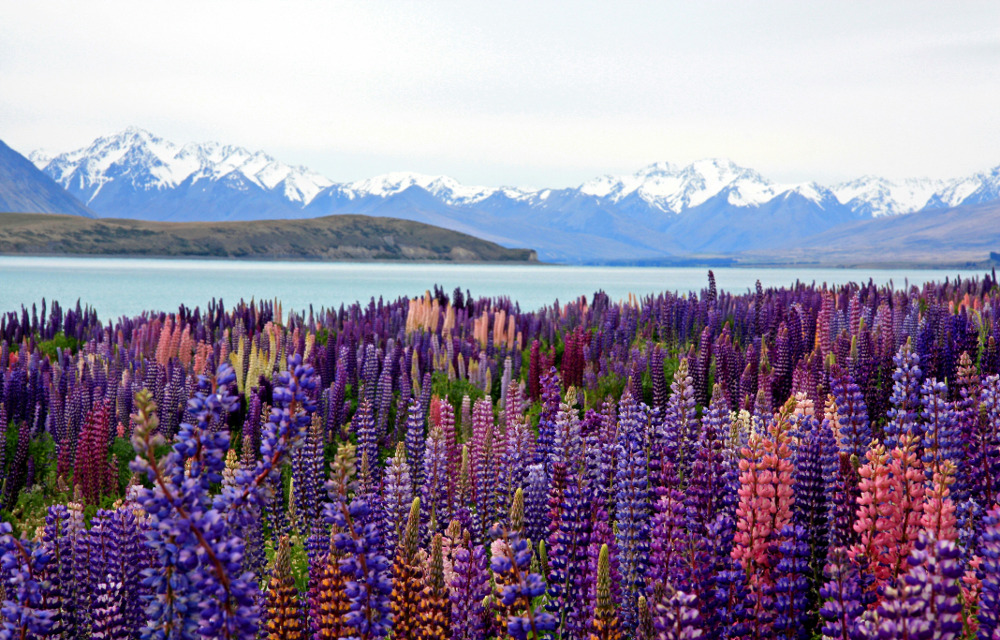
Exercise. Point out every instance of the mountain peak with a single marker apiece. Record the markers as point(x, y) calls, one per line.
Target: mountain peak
point(658, 168)
point(131, 136)
point(673, 188)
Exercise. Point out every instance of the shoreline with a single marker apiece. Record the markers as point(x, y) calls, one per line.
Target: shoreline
point(680, 263)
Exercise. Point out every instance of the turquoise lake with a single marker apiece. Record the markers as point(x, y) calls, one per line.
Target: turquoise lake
point(128, 286)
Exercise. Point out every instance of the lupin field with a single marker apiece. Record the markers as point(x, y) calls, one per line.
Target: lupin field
point(796, 463)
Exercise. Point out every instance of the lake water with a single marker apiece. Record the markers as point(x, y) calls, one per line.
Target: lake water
point(127, 286)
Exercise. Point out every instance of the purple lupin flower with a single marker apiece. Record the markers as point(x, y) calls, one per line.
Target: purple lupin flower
point(536, 498)
point(434, 492)
point(706, 491)
point(415, 443)
point(398, 496)
point(17, 470)
point(941, 440)
point(521, 588)
point(424, 401)
point(670, 527)
point(927, 602)
point(336, 411)
point(632, 504)
point(678, 618)
point(469, 588)
point(483, 465)
point(700, 365)
point(790, 591)
point(383, 399)
point(905, 396)
point(855, 431)
point(544, 447)
point(842, 606)
point(107, 619)
point(369, 583)
point(984, 453)
point(816, 463)
point(23, 613)
point(368, 379)
point(680, 423)
point(363, 425)
point(405, 396)
point(567, 445)
point(62, 588)
point(307, 474)
point(198, 582)
point(568, 561)
point(989, 601)
point(515, 449)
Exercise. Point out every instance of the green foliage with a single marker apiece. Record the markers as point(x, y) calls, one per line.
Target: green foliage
point(350, 399)
point(558, 349)
point(43, 450)
point(123, 454)
point(323, 336)
point(299, 562)
point(531, 415)
point(610, 385)
point(10, 445)
point(455, 390)
point(647, 388)
point(59, 341)
point(670, 365)
point(33, 502)
point(32, 505)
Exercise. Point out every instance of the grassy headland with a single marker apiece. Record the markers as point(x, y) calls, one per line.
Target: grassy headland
point(339, 237)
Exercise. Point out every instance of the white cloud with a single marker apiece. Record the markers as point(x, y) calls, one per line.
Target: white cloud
point(514, 93)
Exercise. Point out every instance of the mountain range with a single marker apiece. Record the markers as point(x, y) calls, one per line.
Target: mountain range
point(709, 207)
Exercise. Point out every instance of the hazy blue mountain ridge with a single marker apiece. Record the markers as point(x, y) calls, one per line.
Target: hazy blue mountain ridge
point(24, 188)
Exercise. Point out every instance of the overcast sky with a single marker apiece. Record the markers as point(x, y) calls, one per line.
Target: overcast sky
point(530, 94)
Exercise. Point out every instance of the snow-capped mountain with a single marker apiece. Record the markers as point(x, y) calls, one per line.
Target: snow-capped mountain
point(147, 163)
point(879, 197)
point(676, 189)
point(664, 209)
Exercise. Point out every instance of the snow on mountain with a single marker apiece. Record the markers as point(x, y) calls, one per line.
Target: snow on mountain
point(40, 157)
point(975, 189)
point(448, 190)
point(675, 189)
point(152, 163)
point(881, 197)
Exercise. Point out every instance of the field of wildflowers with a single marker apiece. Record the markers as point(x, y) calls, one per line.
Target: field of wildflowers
point(790, 463)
